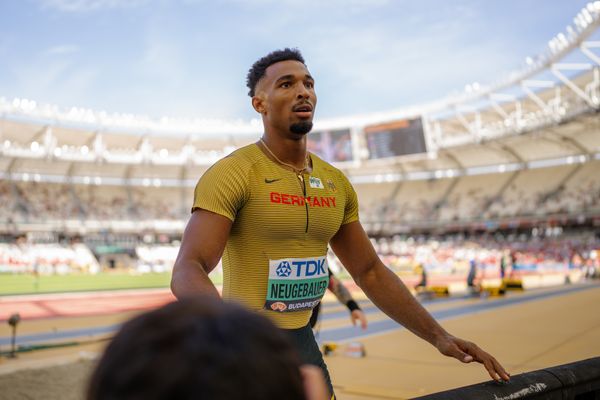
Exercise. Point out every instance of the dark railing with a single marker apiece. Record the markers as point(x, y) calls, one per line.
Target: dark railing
point(576, 381)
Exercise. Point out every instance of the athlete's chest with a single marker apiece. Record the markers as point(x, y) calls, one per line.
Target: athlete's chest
point(283, 206)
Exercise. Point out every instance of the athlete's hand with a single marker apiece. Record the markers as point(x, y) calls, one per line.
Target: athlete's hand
point(359, 316)
point(315, 387)
point(467, 352)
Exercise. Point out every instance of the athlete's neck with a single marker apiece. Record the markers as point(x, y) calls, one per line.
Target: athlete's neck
point(290, 151)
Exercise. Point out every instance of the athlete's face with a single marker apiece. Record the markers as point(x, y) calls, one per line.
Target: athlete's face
point(286, 98)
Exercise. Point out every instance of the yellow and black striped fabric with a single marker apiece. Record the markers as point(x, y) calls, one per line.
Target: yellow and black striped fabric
point(275, 216)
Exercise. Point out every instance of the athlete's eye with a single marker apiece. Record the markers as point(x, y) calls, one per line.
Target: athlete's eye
point(310, 85)
point(285, 85)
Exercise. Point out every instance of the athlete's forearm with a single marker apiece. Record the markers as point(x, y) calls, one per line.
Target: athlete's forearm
point(189, 279)
point(340, 291)
point(391, 296)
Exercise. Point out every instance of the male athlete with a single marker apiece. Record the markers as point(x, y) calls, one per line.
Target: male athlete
point(271, 210)
point(342, 294)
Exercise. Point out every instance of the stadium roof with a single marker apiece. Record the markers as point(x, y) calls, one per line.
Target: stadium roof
point(549, 110)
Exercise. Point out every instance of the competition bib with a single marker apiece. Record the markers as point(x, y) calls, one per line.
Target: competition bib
point(296, 284)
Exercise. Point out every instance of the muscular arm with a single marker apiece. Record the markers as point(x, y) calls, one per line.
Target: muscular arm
point(201, 249)
point(389, 294)
point(381, 285)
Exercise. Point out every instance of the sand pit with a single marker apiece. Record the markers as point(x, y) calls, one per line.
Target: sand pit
point(62, 382)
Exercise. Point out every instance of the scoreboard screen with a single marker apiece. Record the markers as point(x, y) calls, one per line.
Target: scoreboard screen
point(396, 138)
point(331, 146)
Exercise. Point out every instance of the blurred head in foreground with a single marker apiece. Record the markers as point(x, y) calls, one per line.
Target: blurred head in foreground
point(199, 349)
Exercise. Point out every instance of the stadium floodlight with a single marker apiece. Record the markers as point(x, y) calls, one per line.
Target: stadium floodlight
point(580, 22)
point(98, 180)
point(164, 153)
point(587, 16)
point(561, 36)
point(35, 146)
point(84, 150)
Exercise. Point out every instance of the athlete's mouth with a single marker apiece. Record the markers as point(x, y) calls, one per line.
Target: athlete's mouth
point(303, 110)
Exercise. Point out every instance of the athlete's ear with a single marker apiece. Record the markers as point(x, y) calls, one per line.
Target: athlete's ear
point(258, 103)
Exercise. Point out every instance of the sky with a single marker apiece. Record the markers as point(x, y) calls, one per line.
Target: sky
point(189, 58)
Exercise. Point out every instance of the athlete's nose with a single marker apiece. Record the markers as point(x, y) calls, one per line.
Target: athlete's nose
point(303, 92)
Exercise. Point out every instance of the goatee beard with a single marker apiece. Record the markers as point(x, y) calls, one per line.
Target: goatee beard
point(301, 128)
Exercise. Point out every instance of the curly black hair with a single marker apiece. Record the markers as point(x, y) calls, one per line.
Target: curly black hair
point(200, 348)
point(258, 68)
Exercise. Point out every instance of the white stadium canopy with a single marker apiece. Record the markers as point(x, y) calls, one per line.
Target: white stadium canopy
point(544, 116)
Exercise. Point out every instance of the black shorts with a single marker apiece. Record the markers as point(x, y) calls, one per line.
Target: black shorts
point(314, 317)
point(304, 340)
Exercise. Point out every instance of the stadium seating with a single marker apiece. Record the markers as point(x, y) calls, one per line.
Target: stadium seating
point(564, 189)
point(159, 203)
point(470, 196)
point(53, 258)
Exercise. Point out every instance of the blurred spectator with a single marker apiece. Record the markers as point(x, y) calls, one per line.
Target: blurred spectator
point(202, 348)
point(533, 193)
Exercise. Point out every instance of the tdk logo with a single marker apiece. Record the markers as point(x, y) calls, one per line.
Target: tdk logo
point(311, 267)
point(283, 269)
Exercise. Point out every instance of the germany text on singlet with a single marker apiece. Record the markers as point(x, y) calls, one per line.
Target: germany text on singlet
point(275, 257)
